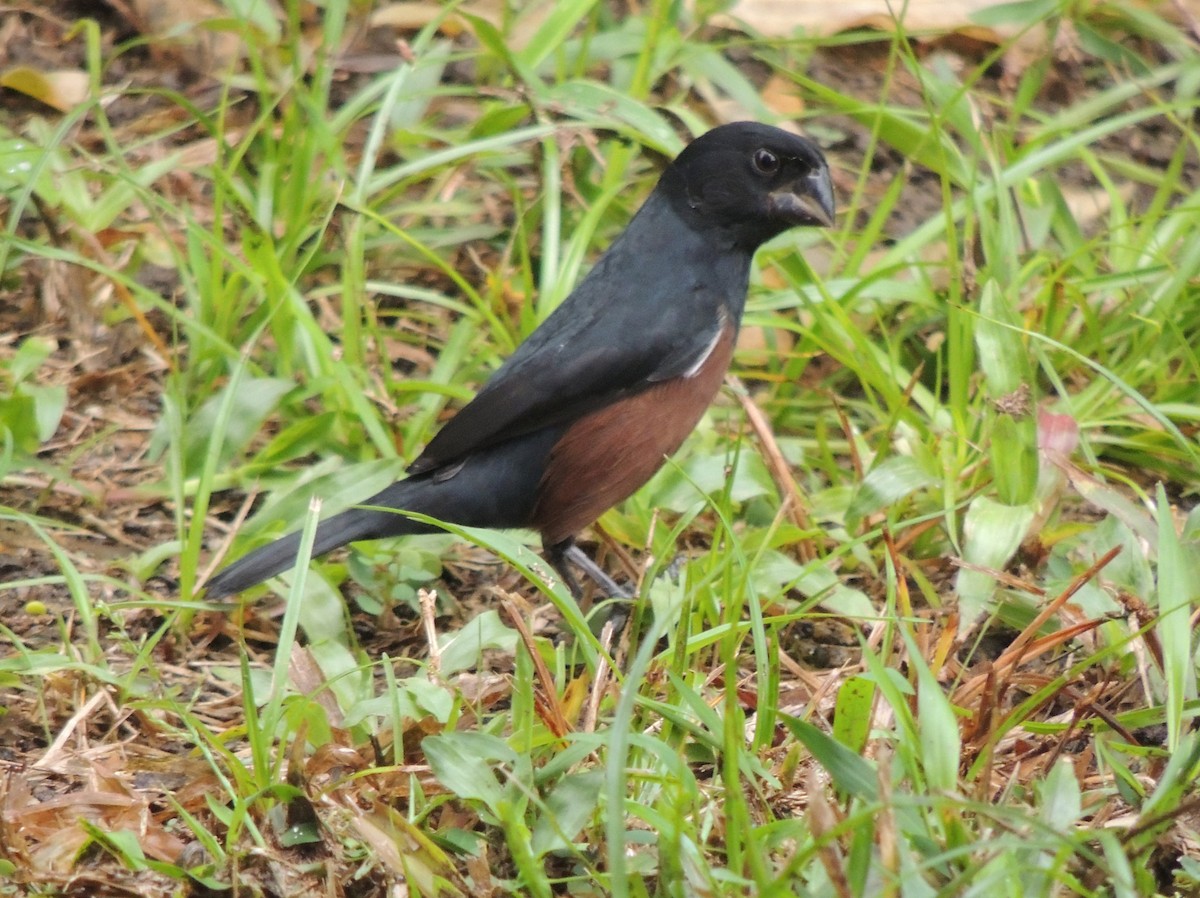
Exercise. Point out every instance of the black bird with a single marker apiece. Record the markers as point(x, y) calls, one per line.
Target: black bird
point(613, 381)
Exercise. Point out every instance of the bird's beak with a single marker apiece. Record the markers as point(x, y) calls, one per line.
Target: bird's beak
point(809, 201)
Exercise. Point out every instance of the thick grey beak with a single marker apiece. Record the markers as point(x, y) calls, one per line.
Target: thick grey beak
point(809, 202)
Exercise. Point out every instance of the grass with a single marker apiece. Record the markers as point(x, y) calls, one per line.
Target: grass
point(964, 464)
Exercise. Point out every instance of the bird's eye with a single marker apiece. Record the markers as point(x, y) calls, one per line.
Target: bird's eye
point(766, 161)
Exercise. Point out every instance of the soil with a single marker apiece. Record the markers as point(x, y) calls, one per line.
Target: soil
point(97, 487)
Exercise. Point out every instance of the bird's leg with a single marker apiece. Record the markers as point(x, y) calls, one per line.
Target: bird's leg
point(613, 619)
point(557, 556)
point(566, 551)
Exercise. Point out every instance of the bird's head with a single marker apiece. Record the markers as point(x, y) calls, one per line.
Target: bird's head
point(752, 181)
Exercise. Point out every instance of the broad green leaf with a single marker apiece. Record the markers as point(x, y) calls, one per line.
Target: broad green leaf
point(1003, 355)
point(852, 713)
point(1021, 12)
point(849, 771)
point(464, 648)
point(253, 400)
point(940, 747)
point(1178, 595)
point(600, 105)
point(465, 763)
point(569, 806)
point(887, 483)
point(564, 18)
point(992, 532)
point(1061, 802)
point(1013, 450)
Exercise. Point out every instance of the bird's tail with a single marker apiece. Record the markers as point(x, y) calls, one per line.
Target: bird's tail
point(346, 527)
point(495, 486)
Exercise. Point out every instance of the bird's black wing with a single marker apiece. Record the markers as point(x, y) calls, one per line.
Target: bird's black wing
point(650, 310)
point(584, 368)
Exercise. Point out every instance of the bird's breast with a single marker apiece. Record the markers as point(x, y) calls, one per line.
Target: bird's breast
point(606, 455)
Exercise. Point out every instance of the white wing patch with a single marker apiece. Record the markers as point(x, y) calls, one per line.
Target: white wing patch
point(722, 323)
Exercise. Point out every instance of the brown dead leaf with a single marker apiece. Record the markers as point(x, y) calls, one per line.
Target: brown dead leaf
point(783, 18)
point(757, 345)
point(408, 17)
point(405, 850)
point(178, 27)
point(782, 97)
point(308, 679)
point(51, 829)
point(1090, 205)
point(62, 90)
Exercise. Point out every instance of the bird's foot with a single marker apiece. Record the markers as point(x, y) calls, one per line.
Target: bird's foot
point(610, 619)
point(583, 561)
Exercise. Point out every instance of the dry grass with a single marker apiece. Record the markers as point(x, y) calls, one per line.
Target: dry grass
point(918, 595)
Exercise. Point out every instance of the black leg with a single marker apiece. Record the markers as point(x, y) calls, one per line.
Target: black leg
point(584, 562)
point(557, 556)
point(566, 551)
point(612, 619)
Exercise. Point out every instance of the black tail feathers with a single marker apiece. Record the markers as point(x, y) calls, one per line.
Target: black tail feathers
point(277, 557)
point(495, 487)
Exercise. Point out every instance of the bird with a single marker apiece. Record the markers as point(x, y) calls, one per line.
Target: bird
point(611, 383)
